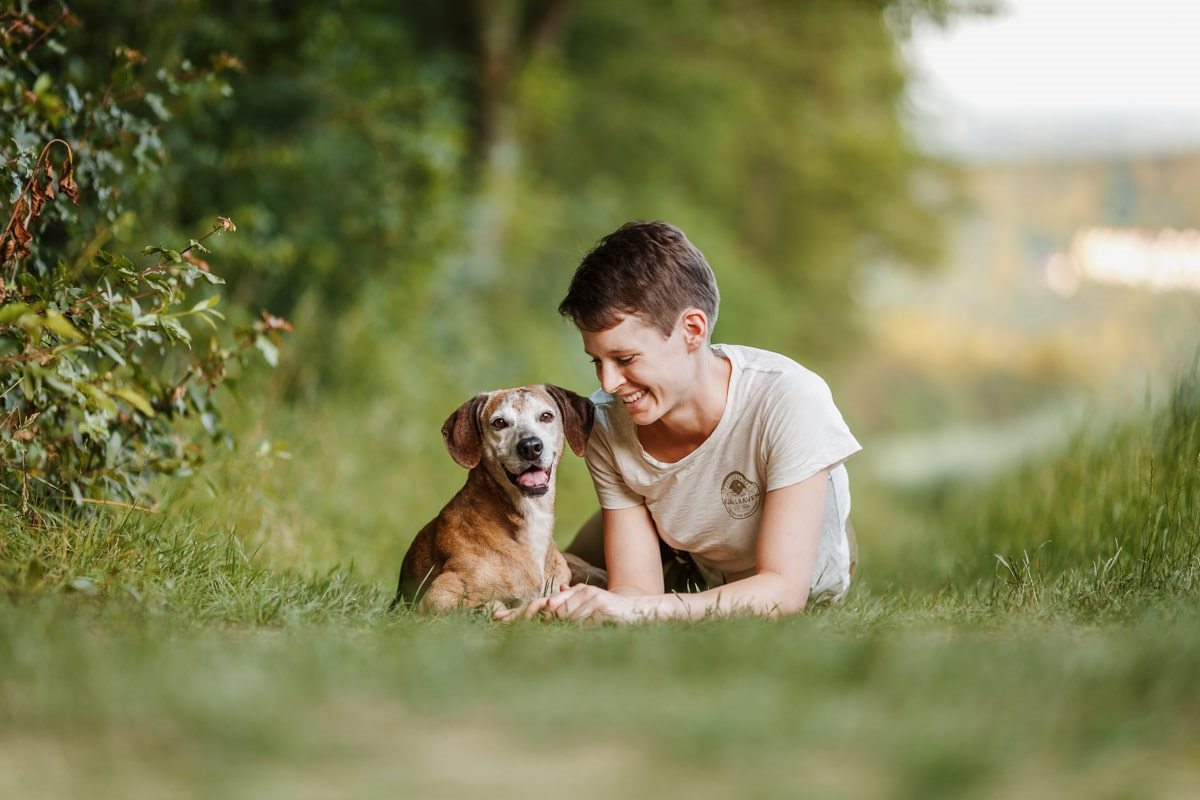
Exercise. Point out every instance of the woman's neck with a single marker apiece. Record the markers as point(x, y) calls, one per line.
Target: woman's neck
point(684, 429)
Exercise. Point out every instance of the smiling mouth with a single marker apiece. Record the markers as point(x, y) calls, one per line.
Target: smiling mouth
point(533, 481)
point(629, 400)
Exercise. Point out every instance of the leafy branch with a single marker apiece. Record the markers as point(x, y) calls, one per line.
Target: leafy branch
point(102, 385)
point(16, 238)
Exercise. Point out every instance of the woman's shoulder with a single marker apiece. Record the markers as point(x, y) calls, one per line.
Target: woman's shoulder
point(771, 374)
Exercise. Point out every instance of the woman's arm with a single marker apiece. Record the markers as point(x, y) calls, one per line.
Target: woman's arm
point(631, 552)
point(787, 552)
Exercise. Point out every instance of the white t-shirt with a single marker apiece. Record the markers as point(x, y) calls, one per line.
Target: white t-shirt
point(780, 426)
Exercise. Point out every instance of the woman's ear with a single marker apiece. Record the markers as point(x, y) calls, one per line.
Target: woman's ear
point(695, 328)
point(462, 434)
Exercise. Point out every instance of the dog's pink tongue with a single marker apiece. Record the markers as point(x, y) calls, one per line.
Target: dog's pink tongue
point(533, 478)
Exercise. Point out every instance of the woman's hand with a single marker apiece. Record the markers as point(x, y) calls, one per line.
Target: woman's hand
point(533, 608)
point(583, 603)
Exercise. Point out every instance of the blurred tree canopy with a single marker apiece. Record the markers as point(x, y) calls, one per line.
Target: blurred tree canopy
point(425, 170)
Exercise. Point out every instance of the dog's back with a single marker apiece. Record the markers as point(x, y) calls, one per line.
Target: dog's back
point(418, 568)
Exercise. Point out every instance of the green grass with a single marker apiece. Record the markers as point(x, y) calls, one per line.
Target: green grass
point(1108, 527)
point(118, 703)
point(1036, 637)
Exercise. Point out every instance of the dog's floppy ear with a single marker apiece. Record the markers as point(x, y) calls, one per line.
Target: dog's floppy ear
point(461, 432)
point(578, 416)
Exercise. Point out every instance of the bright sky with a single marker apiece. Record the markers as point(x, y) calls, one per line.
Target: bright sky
point(1065, 57)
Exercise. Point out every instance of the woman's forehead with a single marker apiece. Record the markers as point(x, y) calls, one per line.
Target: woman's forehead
point(631, 333)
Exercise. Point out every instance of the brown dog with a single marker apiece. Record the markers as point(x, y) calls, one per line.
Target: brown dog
point(493, 543)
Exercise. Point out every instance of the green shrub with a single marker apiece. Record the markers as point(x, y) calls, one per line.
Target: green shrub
point(100, 353)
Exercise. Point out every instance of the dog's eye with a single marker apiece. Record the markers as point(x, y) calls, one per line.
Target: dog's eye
point(499, 423)
point(546, 416)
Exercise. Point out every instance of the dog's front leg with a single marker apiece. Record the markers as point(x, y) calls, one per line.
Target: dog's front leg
point(447, 592)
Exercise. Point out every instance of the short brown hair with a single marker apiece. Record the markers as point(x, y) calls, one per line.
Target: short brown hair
point(644, 268)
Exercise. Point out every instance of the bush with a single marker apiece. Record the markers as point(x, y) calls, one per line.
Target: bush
point(100, 355)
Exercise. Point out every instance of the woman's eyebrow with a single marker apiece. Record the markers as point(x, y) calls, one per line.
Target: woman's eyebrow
point(614, 353)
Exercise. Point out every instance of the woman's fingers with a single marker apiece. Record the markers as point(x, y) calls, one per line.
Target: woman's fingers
point(593, 606)
point(523, 611)
point(579, 602)
point(555, 602)
point(591, 611)
point(538, 606)
point(566, 604)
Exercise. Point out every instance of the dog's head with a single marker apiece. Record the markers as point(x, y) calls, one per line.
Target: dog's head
point(518, 434)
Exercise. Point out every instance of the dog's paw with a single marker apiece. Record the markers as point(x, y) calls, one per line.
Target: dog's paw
point(490, 608)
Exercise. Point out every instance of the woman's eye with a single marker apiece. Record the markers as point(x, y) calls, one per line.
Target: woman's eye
point(595, 362)
point(626, 361)
point(546, 416)
point(499, 423)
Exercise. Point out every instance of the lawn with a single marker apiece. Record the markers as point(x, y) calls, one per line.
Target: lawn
point(1038, 636)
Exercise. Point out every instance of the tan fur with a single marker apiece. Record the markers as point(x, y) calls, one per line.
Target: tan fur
point(479, 549)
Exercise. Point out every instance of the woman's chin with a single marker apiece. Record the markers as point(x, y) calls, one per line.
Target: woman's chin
point(644, 414)
point(639, 408)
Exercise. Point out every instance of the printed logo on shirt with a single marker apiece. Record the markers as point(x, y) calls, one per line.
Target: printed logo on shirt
point(740, 495)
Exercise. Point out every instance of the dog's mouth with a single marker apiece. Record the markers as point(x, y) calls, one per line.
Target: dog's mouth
point(533, 480)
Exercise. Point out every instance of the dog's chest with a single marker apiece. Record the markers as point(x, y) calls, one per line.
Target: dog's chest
point(538, 535)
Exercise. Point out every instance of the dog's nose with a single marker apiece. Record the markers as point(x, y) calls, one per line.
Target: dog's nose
point(529, 448)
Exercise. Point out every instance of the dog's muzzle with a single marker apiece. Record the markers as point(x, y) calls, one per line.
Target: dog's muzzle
point(533, 481)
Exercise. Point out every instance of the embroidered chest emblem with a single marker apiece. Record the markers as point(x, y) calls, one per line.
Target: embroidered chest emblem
point(740, 495)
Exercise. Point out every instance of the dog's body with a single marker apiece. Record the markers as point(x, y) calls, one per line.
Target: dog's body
point(493, 543)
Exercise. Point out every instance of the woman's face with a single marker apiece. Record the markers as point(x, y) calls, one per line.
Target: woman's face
point(648, 372)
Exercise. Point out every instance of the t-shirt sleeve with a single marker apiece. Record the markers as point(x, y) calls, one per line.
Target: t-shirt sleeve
point(803, 432)
point(611, 488)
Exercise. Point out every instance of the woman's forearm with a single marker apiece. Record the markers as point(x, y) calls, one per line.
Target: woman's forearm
point(764, 594)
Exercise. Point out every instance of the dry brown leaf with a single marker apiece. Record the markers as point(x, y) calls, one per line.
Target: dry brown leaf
point(38, 199)
point(21, 233)
point(69, 187)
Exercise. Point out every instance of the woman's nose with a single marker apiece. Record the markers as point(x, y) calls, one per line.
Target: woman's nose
point(610, 378)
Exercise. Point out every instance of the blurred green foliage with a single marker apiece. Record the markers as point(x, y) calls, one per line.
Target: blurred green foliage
point(96, 359)
point(771, 130)
point(414, 183)
point(423, 170)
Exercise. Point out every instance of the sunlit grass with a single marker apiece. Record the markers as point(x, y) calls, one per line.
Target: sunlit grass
point(1035, 637)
